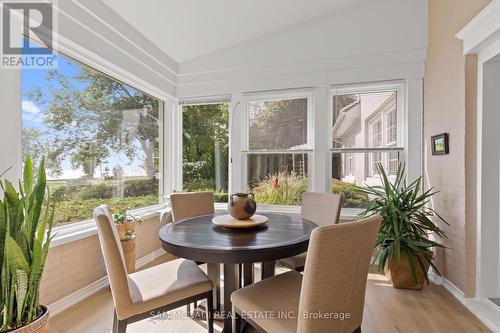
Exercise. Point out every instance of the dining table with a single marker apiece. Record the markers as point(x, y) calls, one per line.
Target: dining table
point(237, 249)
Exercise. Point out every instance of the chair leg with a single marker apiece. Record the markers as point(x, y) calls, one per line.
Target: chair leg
point(357, 330)
point(236, 321)
point(299, 269)
point(119, 326)
point(210, 313)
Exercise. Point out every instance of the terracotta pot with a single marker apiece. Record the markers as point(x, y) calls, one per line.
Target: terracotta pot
point(401, 276)
point(241, 206)
point(40, 325)
point(122, 230)
point(130, 225)
point(128, 247)
point(125, 229)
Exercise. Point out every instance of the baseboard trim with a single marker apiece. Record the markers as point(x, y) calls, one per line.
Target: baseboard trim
point(149, 257)
point(484, 310)
point(78, 296)
point(87, 291)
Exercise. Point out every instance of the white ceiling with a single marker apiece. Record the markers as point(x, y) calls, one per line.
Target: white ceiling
point(187, 29)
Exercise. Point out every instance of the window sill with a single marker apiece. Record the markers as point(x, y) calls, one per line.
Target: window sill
point(65, 234)
point(346, 214)
point(75, 231)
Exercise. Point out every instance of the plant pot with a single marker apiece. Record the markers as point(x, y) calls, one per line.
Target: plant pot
point(122, 230)
point(39, 325)
point(401, 276)
point(125, 229)
point(128, 247)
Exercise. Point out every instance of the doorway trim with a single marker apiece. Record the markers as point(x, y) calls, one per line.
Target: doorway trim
point(481, 37)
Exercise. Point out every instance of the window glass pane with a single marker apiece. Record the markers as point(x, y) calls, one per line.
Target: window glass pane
point(280, 124)
point(392, 128)
point(365, 120)
point(100, 138)
point(205, 149)
point(277, 179)
point(350, 170)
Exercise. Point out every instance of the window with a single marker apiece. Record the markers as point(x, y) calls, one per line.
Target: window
point(277, 159)
point(365, 132)
point(100, 138)
point(205, 148)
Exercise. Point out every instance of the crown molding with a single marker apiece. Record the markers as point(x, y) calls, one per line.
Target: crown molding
point(482, 31)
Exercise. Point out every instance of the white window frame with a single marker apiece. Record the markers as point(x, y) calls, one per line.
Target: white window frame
point(245, 137)
point(402, 115)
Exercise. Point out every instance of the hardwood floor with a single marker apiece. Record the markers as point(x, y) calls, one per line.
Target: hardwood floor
point(387, 310)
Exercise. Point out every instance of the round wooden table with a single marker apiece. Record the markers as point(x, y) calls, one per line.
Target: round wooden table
point(199, 239)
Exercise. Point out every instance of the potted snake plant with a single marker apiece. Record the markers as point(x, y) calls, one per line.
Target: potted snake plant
point(26, 216)
point(405, 248)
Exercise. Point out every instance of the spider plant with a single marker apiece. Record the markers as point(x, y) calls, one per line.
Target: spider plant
point(26, 217)
point(406, 221)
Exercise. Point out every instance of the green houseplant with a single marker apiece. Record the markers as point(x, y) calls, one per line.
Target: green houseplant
point(26, 217)
point(403, 241)
point(125, 224)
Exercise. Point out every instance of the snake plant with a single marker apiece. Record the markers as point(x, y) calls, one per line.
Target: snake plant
point(26, 217)
point(406, 221)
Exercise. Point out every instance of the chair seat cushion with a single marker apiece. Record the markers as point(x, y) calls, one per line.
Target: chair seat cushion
point(272, 303)
point(297, 261)
point(165, 284)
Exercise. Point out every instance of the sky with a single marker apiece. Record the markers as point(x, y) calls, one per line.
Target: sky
point(33, 115)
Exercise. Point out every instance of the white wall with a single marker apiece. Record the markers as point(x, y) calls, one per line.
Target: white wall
point(376, 40)
point(94, 34)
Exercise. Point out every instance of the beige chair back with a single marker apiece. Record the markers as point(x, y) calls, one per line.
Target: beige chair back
point(113, 258)
point(335, 275)
point(321, 208)
point(186, 205)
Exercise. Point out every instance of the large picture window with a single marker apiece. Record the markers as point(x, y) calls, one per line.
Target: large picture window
point(277, 159)
point(100, 139)
point(365, 132)
point(205, 149)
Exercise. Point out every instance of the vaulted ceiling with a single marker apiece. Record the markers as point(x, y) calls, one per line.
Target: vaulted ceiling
point(188, 29)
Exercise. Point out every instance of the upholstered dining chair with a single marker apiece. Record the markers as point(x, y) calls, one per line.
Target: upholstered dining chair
point(328, 297)
point(154, 290)
point(186, 205)
point(320, 208)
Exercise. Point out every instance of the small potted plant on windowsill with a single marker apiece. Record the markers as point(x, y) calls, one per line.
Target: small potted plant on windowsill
point(125, 224)
point(26, 218)
point(405, 248)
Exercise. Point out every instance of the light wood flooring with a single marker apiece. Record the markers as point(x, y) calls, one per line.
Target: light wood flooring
point(387, 310)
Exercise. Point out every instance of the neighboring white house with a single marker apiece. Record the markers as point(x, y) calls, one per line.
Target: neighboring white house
point(370, 121)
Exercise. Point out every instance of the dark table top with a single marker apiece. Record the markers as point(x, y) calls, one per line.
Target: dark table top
point(200, 240)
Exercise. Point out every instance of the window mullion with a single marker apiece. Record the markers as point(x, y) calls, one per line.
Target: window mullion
point(237, 138)
point(321, 122)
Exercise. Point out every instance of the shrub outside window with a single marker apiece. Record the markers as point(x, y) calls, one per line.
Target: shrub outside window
point(205, 149)
point(100, 139)
point(277, 159)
